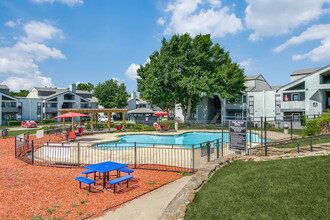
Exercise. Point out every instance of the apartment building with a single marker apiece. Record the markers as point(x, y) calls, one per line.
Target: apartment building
point(43, 103)
point(308, 93)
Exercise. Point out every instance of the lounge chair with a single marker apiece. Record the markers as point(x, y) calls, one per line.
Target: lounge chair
point(166, 129)
point(72, 136)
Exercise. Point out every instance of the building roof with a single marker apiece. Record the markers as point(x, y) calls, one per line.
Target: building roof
point(276, 87)
point(142, 111)
point(60, 91)
point(251, 77)
point(304, 71)
point(3, 87)
point(249, 88)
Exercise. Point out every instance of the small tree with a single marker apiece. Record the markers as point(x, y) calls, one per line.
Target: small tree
point(110, 94)
point(21, 93)
point(184, 69)
point(85, 86)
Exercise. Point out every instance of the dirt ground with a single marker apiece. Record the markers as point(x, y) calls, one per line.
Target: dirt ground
point(40, 192)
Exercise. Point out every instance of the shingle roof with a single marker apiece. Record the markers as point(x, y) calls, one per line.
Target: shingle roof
point(304, 71)
point(276, 87)
point(251, 77)
point(141, 111)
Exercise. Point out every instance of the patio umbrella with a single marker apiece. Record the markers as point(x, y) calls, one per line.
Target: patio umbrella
point(70, 115)
point(160, 113)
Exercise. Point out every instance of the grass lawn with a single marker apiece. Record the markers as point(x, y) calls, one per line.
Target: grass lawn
point(305, 142)
point(278, 189)
point(31, 131)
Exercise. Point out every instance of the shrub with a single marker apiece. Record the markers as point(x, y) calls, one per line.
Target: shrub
point(149, 129)
point(47, 121)
point(129, 125)
point(139, 127)
point(303, 120)
point(87, 126)
point(320, 125)
point(36, 121)
point(13, 123)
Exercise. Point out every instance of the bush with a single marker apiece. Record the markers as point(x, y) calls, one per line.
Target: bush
point(139, 127)
point(13, 123)
point(149, 128)
point(47, 121)
point(129, 125)
point(320, 125)
point(87, 126)
point(36, 121)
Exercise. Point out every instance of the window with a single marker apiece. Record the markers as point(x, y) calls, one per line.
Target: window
point(251, 105)
point(295, 97)
point(238, 116)
point(296, 117)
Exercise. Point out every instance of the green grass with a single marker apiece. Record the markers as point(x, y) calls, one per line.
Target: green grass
point(278, 189)
point(304, 142)
point(31, 131)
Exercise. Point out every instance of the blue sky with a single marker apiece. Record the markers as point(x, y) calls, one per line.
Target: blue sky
point(57, 42)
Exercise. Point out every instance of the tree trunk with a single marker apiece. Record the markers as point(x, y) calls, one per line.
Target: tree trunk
point(188, 109)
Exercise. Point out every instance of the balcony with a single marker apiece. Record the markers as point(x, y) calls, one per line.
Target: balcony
point(51, 110)
point(293, 106)
point(235, 106)
point(9, 109)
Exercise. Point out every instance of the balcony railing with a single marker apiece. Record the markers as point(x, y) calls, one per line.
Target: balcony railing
point(51, 110)
point(293, 105)
point(9, 109)
point(232, 106)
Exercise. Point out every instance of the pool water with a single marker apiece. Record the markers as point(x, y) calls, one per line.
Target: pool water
point(187, 139)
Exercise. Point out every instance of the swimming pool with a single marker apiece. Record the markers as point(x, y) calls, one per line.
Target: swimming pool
point(184, 140)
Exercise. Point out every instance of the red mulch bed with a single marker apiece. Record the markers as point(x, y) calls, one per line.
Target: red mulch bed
point(27, 191)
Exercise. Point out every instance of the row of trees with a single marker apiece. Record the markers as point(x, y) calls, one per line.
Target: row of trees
point(185, 68)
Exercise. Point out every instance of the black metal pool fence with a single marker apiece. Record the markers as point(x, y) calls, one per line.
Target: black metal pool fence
point(180, 158)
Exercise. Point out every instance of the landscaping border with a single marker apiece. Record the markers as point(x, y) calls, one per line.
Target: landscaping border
point(176, 209)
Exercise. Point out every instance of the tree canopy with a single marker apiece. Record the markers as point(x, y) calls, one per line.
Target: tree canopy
point(184, 69)
point(21, 93)
point(85, 86)
point(110, 94)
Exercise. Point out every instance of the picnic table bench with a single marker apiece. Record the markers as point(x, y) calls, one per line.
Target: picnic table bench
point(119, 180)
point(85, 180)
point(125, 170)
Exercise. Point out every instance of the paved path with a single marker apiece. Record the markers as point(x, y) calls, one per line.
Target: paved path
point(150, 206)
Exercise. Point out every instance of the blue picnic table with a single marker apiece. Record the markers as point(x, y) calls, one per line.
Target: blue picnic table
point(105, 168)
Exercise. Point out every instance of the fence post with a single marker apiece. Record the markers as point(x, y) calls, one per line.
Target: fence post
point(250, 135)
point(298, 150)
point(222, 138)
point(78, 154)
point(193, 158)
point(311, 144)
point(265, 136)
point(291, 125)
point(217, 148)
point(32, 152)
point(208, 151)
point(261, 130)
point(15, 145)
point(134, 155)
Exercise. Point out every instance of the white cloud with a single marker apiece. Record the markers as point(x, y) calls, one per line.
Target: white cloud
point(316, 32)
point(19, 62)
point(39, 31)
point(67, 2)
point(192, 17)
point(273, 18)
point(131, 71)
point(10, 24)
point(161, 21)
point(246, 64)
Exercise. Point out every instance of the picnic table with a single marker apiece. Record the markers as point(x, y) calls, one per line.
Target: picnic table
point(105, 168)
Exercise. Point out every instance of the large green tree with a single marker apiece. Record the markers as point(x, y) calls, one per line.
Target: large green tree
point(110, 94)
point(21, 93)
point(85, 86)
point(184, 69)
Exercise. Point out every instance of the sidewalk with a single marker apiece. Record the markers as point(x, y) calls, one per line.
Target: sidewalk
point(150, 206)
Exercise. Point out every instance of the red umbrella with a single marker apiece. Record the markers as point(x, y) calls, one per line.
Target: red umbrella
point(161, 113)
point(70, 115)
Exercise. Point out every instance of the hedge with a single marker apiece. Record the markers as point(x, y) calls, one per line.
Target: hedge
point(47, 121)
point(320, 125)
point(13, 123)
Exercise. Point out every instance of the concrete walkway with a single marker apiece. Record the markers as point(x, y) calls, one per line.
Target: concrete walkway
point(150, 206)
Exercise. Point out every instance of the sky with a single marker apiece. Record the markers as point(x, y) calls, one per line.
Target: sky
point(55, 43)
